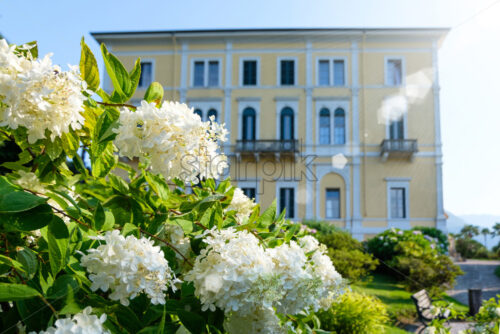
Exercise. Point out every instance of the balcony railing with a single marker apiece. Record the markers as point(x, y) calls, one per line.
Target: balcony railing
point(401, 148)
point(267, 146)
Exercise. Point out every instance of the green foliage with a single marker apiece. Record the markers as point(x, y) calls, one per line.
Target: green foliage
point(487, 320)
point(355, 313)
point(348, 255)
point(497, 271)
point(440, 237)
point(414, 259)
point(470, 248)
point(321, 227)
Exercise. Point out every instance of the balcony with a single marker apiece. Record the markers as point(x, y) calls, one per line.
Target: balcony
point(267, 146)
point(398, 148)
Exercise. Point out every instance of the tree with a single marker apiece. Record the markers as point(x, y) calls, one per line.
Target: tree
point(469, 231)
point(485, 232)
point(496, 230)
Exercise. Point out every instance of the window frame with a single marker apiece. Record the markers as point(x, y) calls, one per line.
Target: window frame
point(339, 202)
point(205, 106)
point(250, 183)
point(403, 183)
point(332, 105)
point(280, 105)
point(331, 63)
point(386, 70)
point(295, 71)
point(289, 184)
point(242, 71)
point(206, 62)
point(255, 105)
point(153, 67)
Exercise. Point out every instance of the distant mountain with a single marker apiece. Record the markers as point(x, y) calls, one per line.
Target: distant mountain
point(455, 224)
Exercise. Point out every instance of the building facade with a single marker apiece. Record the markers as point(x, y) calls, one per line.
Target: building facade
point(339, 125)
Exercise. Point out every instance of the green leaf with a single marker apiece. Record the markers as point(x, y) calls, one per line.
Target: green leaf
point(12, 292)
point(154, 93)
point(53, 148)
point(30, 220)
point(11, 263)
point(19, 201)
point(62, 286)
point(29, 261)
point(206, 218)
point(129, 229)
point(28, 48)
point(118, 75)
point(103, 219)
point(268, 216)
point(70, 304)
point(118, 184)
point(58, 241)
point(195, 323)
point(218, 215)
point(88, 67)
point(70, 143)
point(157, 183)
point(291, 232)
point(103, 164)
point(128, 319)
point(187, 225)
point(134, 76)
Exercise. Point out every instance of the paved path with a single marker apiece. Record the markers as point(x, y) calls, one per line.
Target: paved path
point(478, 274)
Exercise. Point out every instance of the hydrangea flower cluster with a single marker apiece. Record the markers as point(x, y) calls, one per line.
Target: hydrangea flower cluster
point(81, 323)
point(233, 273)
point(237, 275)
point(38, 95)
point(261, 321)
point(129, 266)
point(241, 204)
point(174, 140)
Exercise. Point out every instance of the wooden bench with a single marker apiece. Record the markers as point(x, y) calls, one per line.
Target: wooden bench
point(423, 304)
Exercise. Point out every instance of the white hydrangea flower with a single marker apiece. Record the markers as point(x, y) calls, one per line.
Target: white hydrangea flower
point(260, 321)
point(129, 266)
point(80, 323)
point(29, 180)
point(241, 204)
point(233, 273)
point(178, 239)
point(38, 95)
point(173, 140)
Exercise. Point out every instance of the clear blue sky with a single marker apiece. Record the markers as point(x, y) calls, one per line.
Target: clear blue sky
point(469, 59)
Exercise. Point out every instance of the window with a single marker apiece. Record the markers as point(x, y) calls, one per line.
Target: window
point(324, 126)
point(339, 127)
point(332, 204)
point(199, 113)
point(213, 73)
point(199, 74)
point(146, 77)
point(287, 71)
point(324, 72)
point(398, 202)
point(212, 112)
point(249, 124)
point(397, 129)
point(206, 73)
point(338, 73)
point(249, 192)
point(249, 72)
point(394, 72)
point(287, 201)
point(287, 126)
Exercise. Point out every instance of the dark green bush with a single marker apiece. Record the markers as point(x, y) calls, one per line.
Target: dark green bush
point(348, 255)
point(321, 227)
point(470, 248)
point(355, 313)
point(440, 238)
point(414, 259)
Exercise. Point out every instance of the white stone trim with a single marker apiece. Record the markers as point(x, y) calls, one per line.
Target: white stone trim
point(403, 70)
point(288, 184)
point(205, 74)
point(398, 183)
point(295, 70)
point(184, 71)
point(251, 184)
point(292, 103)
point(405, 123)
point(242, 105)
point(240, 79)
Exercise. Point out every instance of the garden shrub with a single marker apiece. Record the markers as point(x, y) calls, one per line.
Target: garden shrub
point(348, 255)
point(321, 227)
point(487, 320)
point(85, 250)
point(355, 313)
point(414, 260)
point(439, 236)
point(470, 248)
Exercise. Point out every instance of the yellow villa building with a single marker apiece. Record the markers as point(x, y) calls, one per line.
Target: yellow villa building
point(340, 125)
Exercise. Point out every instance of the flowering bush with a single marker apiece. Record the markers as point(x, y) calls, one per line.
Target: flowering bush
point(487, 320)
point(415, 259)
point(107, 248)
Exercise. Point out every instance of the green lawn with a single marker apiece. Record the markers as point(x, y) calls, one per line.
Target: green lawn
point(397, 299)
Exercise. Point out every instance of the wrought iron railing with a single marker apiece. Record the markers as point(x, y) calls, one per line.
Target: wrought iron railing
point(399, 146)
